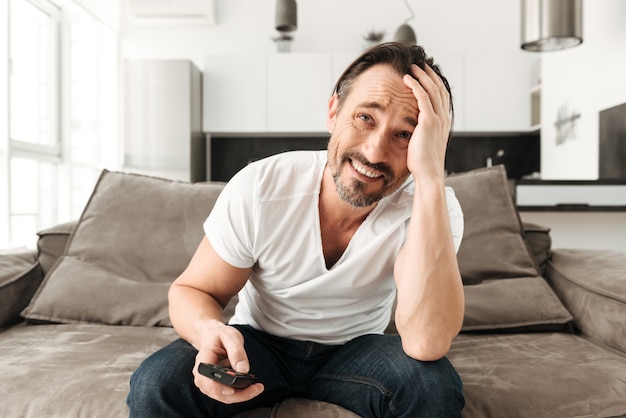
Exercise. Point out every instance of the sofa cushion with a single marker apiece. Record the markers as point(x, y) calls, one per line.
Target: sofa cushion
point(538, 375)
point(20, 276)
point(525, 303)
point(592, 284)
point(540, 243)
point(72, 370)
point(134, 237)
point(51, 244)
point(493, 245)
point(504, 290)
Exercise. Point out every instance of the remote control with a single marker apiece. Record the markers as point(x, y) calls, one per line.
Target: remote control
point(227, 376)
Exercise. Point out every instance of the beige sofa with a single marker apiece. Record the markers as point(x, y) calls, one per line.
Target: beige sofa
point(544, 332)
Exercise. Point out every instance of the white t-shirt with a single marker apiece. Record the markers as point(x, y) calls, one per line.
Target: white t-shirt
point(267, 217)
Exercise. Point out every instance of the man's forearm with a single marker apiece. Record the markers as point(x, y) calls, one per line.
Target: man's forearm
point(193, 313)
point(430, 292)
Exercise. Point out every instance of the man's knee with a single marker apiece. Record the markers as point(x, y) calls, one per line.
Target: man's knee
point(437, 388)
point(373, 376)
point(159, 376)
point(429, 388)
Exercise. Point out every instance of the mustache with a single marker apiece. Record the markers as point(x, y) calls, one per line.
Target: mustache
point(383, 168)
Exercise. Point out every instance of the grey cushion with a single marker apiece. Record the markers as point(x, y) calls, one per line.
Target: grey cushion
point(538, 375)
point(493, 245)
point(504, 290)
point(525, 303)
point(540, 243)
point(72, 370)
point(135, 236)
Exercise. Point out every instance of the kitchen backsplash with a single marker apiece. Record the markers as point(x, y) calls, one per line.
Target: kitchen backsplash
point(520, 153)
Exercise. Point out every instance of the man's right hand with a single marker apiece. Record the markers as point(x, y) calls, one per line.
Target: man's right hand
point(223, 344)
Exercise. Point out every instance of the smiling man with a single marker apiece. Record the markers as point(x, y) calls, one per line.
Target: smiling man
point(318, 245)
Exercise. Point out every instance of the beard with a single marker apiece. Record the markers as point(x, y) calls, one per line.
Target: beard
point(355, 192)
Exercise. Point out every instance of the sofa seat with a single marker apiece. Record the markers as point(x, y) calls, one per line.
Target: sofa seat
point(86, 368)
point(538, 375)
point(72, 370)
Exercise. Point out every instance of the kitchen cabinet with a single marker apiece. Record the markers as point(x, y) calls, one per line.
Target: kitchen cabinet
point(275, 93)
point(299, 86)
point(496, 91)
point(235, 93)
point(289, 92)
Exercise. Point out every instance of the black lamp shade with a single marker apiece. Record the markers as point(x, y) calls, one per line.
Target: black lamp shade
point(405, 33)
point(286, 15)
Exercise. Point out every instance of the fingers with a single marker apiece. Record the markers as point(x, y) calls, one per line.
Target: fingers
point(428, 88)
point(427, 148)
point(226, 348)
point(232, 341)
point(223, 393)
point(441, 88)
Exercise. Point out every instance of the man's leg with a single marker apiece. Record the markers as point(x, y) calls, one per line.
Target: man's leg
point(373, 377)
point(163, 384)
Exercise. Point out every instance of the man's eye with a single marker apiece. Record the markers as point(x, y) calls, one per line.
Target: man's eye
point(405, 135)
point(364, 118)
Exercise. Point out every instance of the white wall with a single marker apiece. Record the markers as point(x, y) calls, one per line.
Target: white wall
point(585, 80)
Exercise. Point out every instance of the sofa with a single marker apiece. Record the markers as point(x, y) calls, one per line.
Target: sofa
point(544, 333)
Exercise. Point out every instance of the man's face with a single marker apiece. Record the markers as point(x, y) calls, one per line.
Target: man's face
point(367, 152)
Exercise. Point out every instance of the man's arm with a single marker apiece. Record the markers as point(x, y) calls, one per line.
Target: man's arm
point(430, 306)
point(196, 301)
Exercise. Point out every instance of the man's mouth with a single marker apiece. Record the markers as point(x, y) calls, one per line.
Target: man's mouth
point(364, 171)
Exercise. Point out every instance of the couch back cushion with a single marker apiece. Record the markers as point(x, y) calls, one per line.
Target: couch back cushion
point(134, 237)
point(493, 245)
point(504, 290)
point(138, 233)
point(540, 243)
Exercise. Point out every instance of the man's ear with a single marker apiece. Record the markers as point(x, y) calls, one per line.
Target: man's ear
point(332, 113)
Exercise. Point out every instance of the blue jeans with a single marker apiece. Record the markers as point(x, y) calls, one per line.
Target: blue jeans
point(370, 375)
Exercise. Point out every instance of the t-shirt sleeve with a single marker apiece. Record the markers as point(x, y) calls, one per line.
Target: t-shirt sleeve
point(455, 213)
point(230, 225)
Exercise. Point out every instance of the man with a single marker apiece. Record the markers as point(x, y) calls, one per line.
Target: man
point(317, 245)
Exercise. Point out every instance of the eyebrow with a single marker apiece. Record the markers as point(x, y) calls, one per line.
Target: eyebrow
point(376, 105)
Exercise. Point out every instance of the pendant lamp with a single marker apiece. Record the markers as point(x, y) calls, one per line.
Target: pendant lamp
point(286, 15)
point(405, 33)
point(550, 25)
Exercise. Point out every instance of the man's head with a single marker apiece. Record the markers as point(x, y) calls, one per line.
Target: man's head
point(399, 55)
point(372, 116)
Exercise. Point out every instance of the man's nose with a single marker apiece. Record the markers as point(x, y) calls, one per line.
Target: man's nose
point(375, 147)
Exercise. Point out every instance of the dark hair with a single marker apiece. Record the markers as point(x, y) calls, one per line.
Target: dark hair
point(399, 55)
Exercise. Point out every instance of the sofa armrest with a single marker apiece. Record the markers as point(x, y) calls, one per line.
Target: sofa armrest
point(51, 244)
point(20, 276)
point(592, 285)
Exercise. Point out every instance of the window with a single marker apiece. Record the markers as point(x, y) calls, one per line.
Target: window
point(33, 117)
point(60, 128)
point(92, 112)
point(33, 69)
